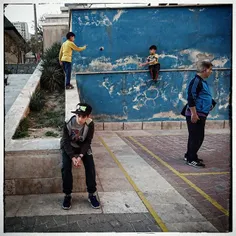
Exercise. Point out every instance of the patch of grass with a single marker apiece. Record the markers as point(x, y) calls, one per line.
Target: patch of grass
point(47, 118)
point(51, 134)
point(22, 129)
point(37, 101)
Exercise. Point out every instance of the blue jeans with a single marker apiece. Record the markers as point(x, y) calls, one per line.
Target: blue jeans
point(67, 70)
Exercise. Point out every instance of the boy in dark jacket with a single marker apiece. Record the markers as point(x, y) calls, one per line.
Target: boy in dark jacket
point(200, 103)
point(76, 148)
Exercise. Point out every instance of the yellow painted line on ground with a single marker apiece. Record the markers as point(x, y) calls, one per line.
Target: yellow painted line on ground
point(200, 191)
point(207, 173)
point(140, 194)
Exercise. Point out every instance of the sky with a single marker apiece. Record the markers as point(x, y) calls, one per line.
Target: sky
point(25, 13)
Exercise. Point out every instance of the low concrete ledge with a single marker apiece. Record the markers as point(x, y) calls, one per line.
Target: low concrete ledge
point(157, 125)
point(34, 144)
point(133, 125)
point(113, 126)
point(38, 172)
point(20, 109)
point(153, 125)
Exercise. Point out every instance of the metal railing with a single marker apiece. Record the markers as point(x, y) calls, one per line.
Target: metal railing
point(141, 71)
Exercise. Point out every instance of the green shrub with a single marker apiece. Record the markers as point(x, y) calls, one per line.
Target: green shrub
point(51, 134)
point(51, 55)
point(7, 72)
point(22, 129)
point(53, 77)
point(37, 101)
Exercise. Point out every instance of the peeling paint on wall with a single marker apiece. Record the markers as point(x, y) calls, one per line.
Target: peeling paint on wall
point(169, 114)
point(167, 55)
point(118, 15)
point(103, 20)
point(220, 62)
point(103, 117)
point(195, 55)
point(99, 64)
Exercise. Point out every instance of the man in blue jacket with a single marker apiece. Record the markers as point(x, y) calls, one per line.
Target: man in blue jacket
point(200, 103)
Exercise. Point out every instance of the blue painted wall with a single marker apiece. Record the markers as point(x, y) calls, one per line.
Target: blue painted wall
point(183, 36)
point(134, 97)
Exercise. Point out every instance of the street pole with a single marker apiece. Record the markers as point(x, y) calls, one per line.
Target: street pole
point(35, 23)
point(36, 31)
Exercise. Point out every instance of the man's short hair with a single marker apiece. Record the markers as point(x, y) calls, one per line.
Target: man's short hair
point(153, 47)
point(203, 65)
point(70, 34)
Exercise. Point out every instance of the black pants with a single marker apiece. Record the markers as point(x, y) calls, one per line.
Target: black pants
point(196, 133)
point(67, 178)
point(154, 71)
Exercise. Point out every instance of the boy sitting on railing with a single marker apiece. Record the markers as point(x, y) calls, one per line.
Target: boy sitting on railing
point(152, 61)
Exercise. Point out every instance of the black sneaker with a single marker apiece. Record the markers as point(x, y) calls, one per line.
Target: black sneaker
point(198, 159)
point(196, 164)
point(67, 202)
point(92, 198)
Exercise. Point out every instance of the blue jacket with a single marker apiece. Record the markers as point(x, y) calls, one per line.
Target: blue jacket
point(199, 95)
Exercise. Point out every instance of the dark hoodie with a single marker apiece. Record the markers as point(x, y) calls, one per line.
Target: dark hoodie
point(77, 138)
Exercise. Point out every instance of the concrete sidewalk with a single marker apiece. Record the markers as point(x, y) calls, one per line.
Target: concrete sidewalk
point(144, 186)
point(16, 84)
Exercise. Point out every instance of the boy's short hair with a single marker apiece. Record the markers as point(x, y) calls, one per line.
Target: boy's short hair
point(153, 47)
point(203, 65)
point(70, 34)
point(83, 109)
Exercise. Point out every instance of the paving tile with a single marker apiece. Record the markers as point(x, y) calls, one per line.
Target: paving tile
point(164, 196)
point(109, 173)
point(115, 184)
point(177, 212)
point(154, 228)
point(74, 227)
point(121, 202)
point(125, 227)
point(61, 220)
point(12, 205)
point(140, 227)
point(136, 217)
point(192, 227)
point(45, 204)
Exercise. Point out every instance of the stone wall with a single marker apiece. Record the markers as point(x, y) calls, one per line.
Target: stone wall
point(21, 68)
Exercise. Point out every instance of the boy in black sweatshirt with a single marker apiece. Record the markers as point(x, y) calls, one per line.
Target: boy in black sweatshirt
point(76, 148)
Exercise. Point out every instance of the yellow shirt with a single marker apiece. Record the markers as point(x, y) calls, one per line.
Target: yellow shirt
point(66, 50)
point(153, 59)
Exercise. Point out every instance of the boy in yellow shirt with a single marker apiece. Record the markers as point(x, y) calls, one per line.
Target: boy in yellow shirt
point(65, 56)
point(152, 61)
